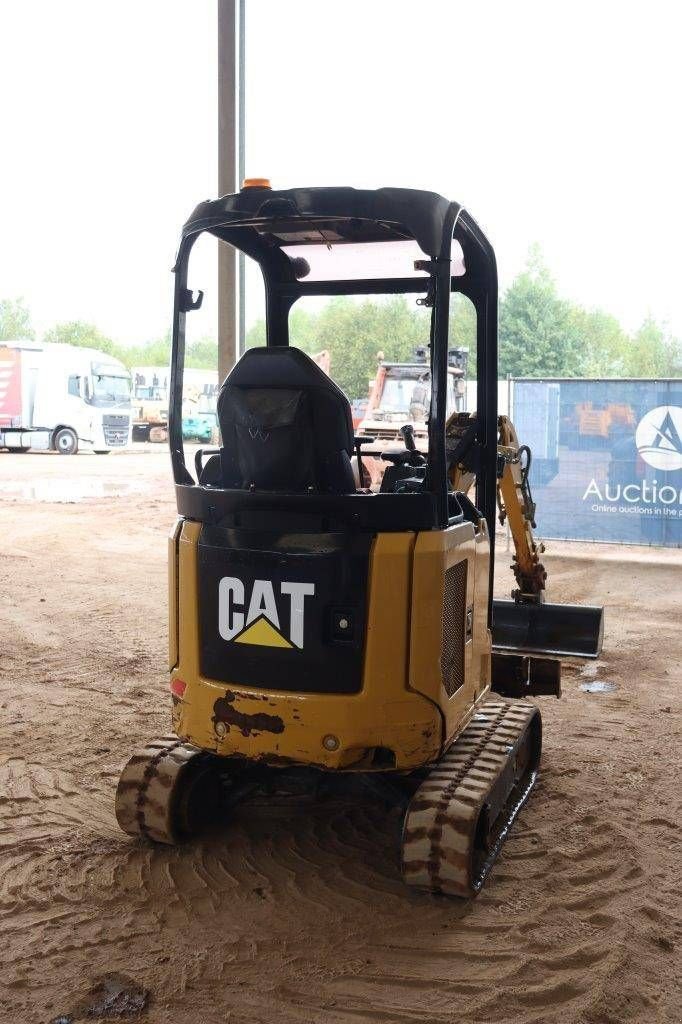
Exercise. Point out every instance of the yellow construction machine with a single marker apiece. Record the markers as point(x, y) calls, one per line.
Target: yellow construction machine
point(333, 632)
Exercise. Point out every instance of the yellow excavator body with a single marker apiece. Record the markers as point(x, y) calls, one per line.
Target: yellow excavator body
point(426, 662)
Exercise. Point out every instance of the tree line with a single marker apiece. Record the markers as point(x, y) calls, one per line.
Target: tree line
point(541, 334)
point(15, 325)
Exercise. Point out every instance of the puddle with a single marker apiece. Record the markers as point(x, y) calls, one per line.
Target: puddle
point(592, 669)
point(597, 687)
point(115, 997)
point(69, 491)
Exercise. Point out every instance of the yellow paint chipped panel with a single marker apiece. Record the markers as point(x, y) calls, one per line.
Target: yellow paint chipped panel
point(173, 593)
point(383, 714)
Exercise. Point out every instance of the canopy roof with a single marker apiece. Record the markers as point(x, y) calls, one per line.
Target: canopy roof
point(261, 221)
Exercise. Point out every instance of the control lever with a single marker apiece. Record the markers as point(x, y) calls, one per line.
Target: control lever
point(408, 437)
point(415, 457)
point(357, 444)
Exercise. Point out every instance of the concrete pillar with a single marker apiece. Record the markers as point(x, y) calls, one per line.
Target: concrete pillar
point(228, 78)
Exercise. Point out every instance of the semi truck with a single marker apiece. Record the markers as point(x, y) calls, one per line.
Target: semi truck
point(62, 398)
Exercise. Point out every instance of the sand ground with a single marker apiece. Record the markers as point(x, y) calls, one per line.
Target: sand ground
point(297, 913)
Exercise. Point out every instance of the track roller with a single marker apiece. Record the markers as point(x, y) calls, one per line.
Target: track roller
point(458, 819)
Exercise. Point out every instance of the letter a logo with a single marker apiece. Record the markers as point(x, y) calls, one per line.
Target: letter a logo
point(658, 437)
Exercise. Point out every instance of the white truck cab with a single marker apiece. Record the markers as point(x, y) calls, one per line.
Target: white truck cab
point(62, 397)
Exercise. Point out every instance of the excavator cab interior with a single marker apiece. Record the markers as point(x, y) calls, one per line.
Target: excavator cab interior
point(338, 241)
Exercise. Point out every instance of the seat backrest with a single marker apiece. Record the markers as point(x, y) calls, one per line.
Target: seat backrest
point(285, 425)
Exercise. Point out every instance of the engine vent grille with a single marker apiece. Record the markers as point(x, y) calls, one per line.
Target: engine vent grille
point(454, 627)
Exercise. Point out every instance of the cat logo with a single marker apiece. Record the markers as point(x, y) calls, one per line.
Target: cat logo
point(658, 437)
point(260, 623)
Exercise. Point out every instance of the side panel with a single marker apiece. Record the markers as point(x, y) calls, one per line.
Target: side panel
point(387, 641)
point(257, 721)
point(52, 403)
point(173, 543)
point(450, 641)
point(482, 650)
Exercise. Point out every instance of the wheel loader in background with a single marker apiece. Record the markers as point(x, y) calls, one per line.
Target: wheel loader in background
point(150, 404)
point(150, 407)
point(401, 392)
point(322, 630)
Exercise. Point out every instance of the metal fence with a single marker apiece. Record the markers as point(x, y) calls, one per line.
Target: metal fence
point(607, 457)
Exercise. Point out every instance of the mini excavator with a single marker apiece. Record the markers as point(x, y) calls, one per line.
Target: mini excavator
point(322, 627)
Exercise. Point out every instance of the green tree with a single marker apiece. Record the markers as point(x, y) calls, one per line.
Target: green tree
point(540, 333)
point(606, 344)
point(202, 354)
point(255, 336)
point(15, 321)
point(155, 352)
point(653, 352)
point(303, 327)
point(84, 335)
point(355, 333)
point(462, 329)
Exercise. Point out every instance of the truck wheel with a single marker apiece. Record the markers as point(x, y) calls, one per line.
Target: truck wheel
point(66, 441)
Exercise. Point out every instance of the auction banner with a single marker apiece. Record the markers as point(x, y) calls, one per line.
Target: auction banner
point(606, 458)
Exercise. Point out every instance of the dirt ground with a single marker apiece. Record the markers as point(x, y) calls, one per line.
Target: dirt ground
point(297, 913)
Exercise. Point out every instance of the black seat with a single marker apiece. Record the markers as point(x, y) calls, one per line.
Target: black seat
point(285, 425)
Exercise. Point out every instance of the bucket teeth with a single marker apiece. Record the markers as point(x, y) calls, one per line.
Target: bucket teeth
point(458, 819)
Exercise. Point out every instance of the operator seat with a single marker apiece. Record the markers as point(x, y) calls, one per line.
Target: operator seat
point(285, 425)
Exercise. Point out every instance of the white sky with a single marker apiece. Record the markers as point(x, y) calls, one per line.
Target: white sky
point(552, 122)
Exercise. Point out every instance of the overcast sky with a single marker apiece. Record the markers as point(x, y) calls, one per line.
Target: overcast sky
point(552, 122)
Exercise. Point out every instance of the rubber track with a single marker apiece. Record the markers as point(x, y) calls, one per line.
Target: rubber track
point(148, 786)
point(442, 817)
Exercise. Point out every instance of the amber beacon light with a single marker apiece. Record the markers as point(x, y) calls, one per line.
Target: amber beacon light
point(256, 183)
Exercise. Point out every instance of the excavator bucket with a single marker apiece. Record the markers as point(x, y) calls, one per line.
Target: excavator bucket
point(549, 630)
